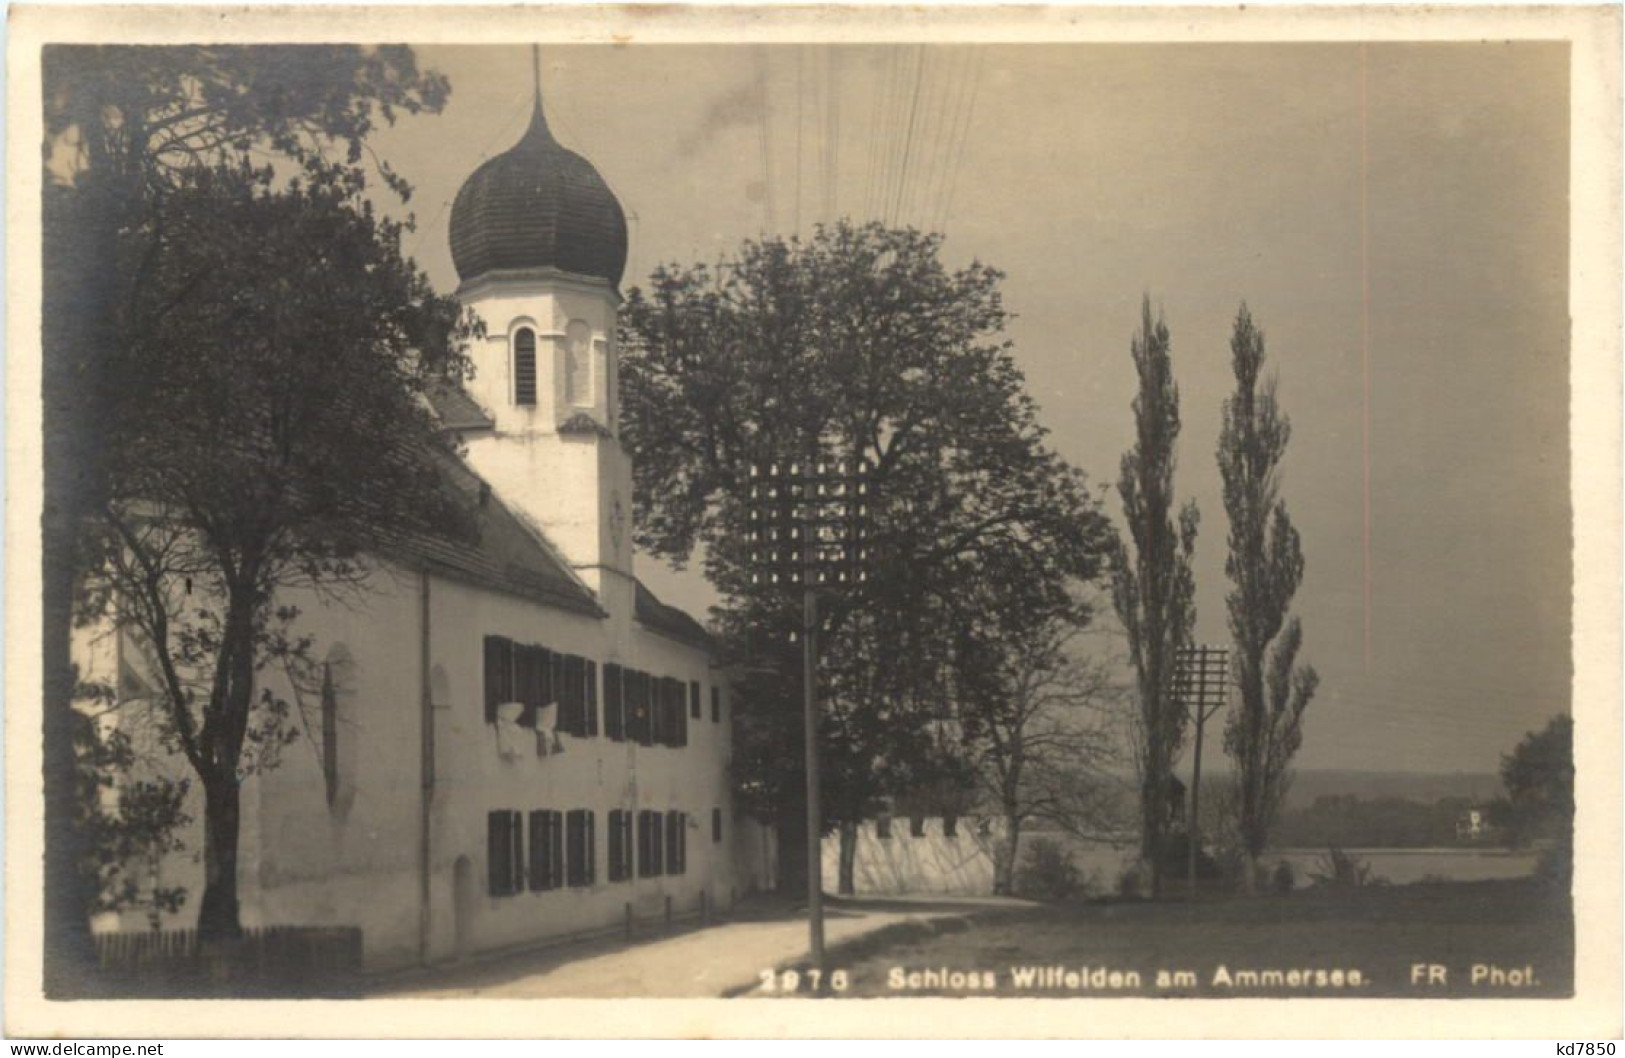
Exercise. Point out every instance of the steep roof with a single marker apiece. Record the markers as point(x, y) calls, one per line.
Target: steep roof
point(669, 620)
point(456, 410)
point(538, 205)
point(508, 556)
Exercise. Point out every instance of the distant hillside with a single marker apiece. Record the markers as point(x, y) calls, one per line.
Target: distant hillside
point(1423, 787)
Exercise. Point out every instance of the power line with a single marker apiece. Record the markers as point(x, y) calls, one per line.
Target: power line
point(801, 89)
point(766, 140)
point(485, 151)
point(964, 136)
point(908, 137)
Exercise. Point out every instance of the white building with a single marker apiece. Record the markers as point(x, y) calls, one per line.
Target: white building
point(515, 740)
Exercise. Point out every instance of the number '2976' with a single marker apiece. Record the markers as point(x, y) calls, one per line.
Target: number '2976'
point(793, 981)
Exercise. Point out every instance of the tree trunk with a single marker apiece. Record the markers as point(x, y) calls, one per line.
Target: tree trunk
point(849, 857)
point(1009, 852)
point(69, 958)
point(218, 917)
point(1151, 832)
point(791, 825)
point(78, 292)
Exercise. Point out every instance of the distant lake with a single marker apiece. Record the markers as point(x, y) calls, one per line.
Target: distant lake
point(1103, 864)
point(1403, 866)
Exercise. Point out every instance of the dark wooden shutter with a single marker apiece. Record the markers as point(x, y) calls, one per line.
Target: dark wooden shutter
point(592, 698)
point(574, 699)
point(572, 848)
point(716, 704)
point(614, 719)
point(556, 685)
point(530, 681)
point(498, 675)
point(591, 863)
point(556, 854)
point(616, 852)
point(646, 709)
point(694, 700)
point(499, 871)
point(657, 845)
point(516, 851)
point(716, 825)
point(674, 842)
point(541, 876)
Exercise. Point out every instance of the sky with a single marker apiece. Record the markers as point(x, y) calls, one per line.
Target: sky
point(1395, 217)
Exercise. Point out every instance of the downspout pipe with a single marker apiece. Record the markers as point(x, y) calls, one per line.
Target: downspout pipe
point(426, 784)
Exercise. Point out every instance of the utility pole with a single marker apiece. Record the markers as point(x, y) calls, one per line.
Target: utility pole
point(807, 529)
point(1201, 679)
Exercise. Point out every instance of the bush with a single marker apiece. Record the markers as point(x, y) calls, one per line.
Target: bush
point(1134, 880)
point(1285, 879)
point(1341, 870)
point(1048, 873)
point(1555, 865)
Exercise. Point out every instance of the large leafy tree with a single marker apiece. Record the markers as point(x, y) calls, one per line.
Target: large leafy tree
point(124, 126)
point(1153, 587)
point(861, 343)
point(274, 350)
point(1538, 776)
point(1037, 709)
point(1265, 566)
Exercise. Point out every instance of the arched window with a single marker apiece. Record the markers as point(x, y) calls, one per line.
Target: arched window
point(524, 367)
point(330, 733)
point(339, 729)
point(578, 363)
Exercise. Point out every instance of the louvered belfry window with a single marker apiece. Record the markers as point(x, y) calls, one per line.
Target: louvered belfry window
point(524, 367)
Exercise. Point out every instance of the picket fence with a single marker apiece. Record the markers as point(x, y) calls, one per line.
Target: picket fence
point(275, 960)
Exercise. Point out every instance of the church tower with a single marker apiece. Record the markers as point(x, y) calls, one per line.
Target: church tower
point(539, 242)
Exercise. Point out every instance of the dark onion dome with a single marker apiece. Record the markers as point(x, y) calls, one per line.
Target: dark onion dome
point(538, 205)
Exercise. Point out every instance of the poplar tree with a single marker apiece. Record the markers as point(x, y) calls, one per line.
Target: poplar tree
point(1153, 588)
point(1265, 565)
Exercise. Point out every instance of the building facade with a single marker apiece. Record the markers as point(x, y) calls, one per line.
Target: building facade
point(513, 739)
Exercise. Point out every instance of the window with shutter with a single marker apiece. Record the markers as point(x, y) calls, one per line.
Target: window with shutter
point(498, 675)
point(676, 837)
point(556, 852)
point(716, 704)
point(504, 849)
point(541, 850)
point(530, 681)
point(656, 844)
point(498, 870)
point(557, 685)
point(617, 847)
point(591, 702)
point(524, 367)
point(622, 833)
point(694, 700)
point(645, 857)
point(645, 709)
point(574, 700)
point(614, 718)
point(582, 849)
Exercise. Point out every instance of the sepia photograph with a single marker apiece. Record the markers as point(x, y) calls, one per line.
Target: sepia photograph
point(723, 510)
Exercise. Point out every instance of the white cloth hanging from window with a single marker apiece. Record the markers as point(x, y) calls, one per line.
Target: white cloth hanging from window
point(509, 739)
point(547, 733)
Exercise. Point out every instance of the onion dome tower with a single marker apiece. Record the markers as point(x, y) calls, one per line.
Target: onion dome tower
point(539, 242)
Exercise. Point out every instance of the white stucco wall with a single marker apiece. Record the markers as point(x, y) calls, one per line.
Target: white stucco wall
point(359, 862)
point(931, 863)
